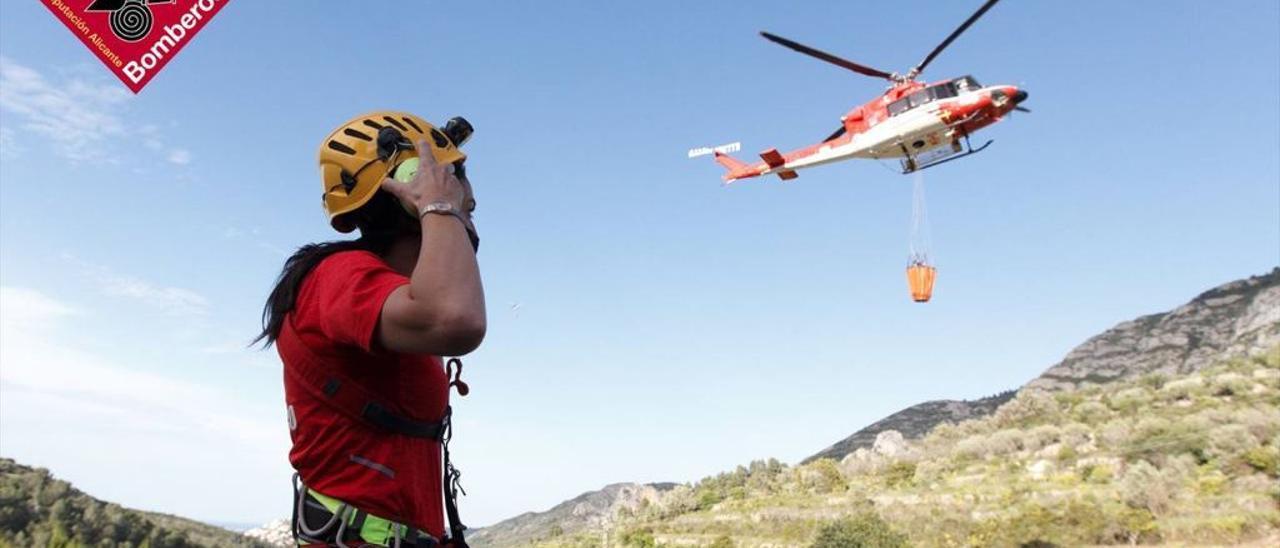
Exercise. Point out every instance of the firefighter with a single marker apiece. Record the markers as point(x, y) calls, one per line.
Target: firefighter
point(361, 326)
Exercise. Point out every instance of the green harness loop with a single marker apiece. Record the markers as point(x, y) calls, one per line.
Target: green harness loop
point(375, 530)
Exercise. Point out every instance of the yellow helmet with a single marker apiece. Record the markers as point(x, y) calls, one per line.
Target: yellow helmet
point(357, 156)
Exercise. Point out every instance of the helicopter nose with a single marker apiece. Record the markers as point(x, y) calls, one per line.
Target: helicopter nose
point(1019, 97)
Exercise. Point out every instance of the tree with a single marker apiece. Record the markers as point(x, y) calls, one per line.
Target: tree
point(864, 530)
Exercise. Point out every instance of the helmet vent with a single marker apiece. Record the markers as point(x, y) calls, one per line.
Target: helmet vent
point(410, 122)
point(440, 139)
point(356, 134)
point(341, 147)
point(373, 124)
point(393, 122)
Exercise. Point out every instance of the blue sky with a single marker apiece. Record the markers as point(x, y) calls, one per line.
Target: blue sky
point(667, 328)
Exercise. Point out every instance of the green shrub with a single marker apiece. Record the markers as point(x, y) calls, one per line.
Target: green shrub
point(1091, 412)
point(1212, 483)
point(1230, 384)
point(1155, 438)
point(829, 478)
point(1143, 486)
point(723, 541)
point(1067, 453)
point(1264, 459)
point(708, 498)
point(864, 530)
point(1184, 388)
point(1136, 525)
point(1230, 440)
point(1096, 473)
point(1154, 381)
point(638, 538)
point(1129, 401)
point(900, 473)
point(1041, 436)
point(1263, 423)
point(1030, 407)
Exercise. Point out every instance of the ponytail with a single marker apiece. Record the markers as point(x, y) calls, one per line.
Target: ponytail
point(381, 221)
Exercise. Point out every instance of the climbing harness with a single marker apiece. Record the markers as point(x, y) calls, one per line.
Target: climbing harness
point(345, 526)
point(342, 522)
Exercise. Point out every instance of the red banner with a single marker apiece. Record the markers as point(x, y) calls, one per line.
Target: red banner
point(135, 38)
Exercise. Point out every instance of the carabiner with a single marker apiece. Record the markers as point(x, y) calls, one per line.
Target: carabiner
point(455, 380)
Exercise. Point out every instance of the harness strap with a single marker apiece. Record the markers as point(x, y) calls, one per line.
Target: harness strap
point(357, 524)
point(378, 415)
point(346, 524)
point(348, 397)
point(457, 537)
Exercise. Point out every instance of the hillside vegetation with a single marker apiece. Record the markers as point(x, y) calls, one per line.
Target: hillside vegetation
point(38, 510)
point(1191, 458)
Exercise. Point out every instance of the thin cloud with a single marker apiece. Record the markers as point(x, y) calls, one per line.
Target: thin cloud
point(254, 236)
point(8, 144)
point(39, 355)
point(31, 307)
point(175, 301)
point(180, 156)
point(79, 119)
point(54, 391)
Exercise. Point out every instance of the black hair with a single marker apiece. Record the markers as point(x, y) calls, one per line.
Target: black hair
point(381, 221)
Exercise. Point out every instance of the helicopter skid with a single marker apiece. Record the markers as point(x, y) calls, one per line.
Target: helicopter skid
point(940, 155)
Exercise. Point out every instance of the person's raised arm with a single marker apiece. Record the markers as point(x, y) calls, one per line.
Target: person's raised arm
point(441, 311)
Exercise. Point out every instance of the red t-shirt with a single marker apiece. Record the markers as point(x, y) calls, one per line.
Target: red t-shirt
point(392, 476)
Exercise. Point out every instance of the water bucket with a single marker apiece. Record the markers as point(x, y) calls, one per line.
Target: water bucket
point(920, 281)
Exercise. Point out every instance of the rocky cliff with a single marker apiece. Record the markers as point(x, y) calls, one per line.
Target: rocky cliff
point(915, 421)
point(1239, 318)
point(592, 510)
point(1235, 319)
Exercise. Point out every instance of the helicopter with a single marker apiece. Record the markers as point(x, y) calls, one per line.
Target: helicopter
point(922, 124)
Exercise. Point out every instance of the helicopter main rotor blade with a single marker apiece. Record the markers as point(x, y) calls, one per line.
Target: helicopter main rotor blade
point(956, 34)
point(860, 69)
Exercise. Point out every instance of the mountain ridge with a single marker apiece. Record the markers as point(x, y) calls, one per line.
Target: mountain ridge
point(37, 509)
point(589, 510)
point(1233, 319)
point(1181, 340)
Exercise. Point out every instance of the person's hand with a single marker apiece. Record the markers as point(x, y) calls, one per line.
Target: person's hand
point(432, 183)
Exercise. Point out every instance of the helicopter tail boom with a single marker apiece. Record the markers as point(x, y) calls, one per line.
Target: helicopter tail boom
point(737, 169)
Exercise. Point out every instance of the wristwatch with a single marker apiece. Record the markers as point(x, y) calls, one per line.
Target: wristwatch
point(441, 208)
point(446, 208)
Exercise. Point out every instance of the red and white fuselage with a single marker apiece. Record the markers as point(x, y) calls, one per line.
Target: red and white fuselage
point(912, 121)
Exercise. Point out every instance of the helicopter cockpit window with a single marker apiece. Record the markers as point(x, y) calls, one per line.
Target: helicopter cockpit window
point(920, 97)
point(898, 107)
point(942, 91)
point(966, 83)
